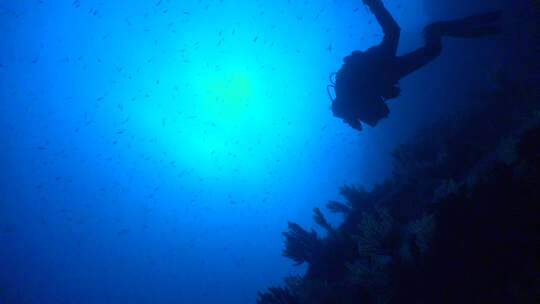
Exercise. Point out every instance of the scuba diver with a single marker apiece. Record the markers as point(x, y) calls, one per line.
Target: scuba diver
point(368, 79)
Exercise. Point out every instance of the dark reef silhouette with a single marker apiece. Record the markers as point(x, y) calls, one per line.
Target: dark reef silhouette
point(458, 221)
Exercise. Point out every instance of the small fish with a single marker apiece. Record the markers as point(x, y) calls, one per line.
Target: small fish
point(123, 231)
point(256, 38)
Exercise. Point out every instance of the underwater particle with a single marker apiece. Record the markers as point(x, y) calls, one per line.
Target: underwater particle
point(93, 12)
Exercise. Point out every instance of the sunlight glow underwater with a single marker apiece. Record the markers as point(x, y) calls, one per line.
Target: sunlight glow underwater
point(191, 131)
point(243, 101)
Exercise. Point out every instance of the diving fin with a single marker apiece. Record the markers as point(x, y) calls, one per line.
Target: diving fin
point(486, 24)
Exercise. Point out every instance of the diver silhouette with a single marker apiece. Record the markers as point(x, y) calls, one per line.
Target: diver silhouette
point(367, 79)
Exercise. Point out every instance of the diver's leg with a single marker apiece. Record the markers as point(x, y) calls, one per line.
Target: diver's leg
point(415, 60)
point(475, 32)
point(478, 19)
point(470, 27)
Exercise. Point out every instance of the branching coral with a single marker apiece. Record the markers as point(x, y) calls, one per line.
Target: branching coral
point(338, 207)
point(506, 152)
point(373, 275)
point(295, 284)
point(396, 245)
point(382, 244)
point(371, 271)
point(445, 188)
point(321, 221)
point(356, 197)
point(374, 229)
point(314, 291)
point(422, 231)
point(276, 295)
point(529, 147)
point(301, 246)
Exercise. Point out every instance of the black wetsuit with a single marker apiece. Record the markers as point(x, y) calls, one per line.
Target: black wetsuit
point(367, 79)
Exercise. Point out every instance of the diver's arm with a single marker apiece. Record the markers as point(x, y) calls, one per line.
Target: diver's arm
point(385, 19)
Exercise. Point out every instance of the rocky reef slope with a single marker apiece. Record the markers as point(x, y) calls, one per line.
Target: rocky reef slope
point(458, 222)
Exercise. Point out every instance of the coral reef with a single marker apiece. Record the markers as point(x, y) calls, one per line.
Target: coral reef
point(456, 223)
point(301, 246)
point(276, 295)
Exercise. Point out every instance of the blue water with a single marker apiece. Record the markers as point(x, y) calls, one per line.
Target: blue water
point(153, 151)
